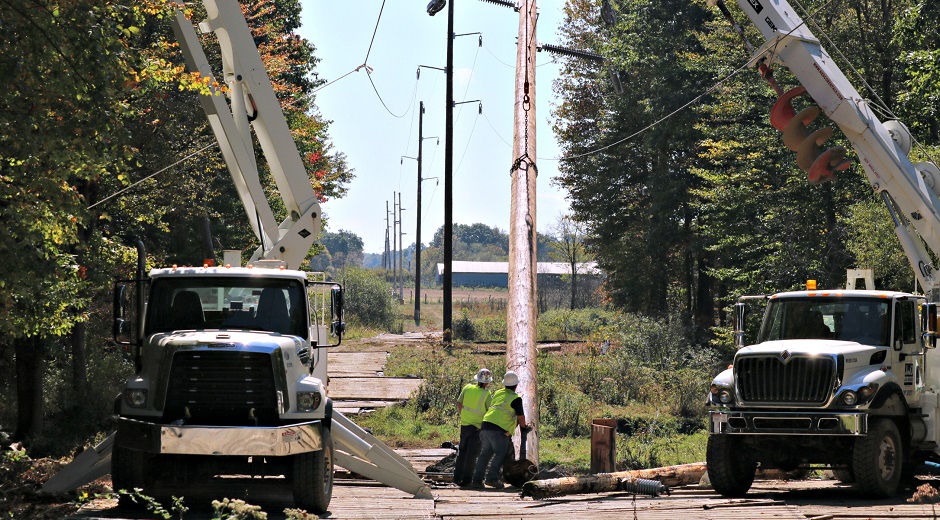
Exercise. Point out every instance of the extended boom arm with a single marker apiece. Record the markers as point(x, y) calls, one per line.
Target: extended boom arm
point(253, 103)
point(909, 190)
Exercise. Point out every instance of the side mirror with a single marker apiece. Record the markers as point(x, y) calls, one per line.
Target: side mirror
point(120, 313)
point(740, 312)
point(338, 325)
point(928, 324)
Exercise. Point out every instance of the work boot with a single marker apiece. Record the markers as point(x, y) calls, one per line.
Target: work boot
point(494, 484)
point(475, 485)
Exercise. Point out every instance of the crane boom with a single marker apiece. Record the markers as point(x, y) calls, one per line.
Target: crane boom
point(882, 148)
point(253, 106)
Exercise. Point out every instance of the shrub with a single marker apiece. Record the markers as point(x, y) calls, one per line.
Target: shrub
point(369, 299)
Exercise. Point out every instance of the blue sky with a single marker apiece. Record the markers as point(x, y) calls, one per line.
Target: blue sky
point(374, 135)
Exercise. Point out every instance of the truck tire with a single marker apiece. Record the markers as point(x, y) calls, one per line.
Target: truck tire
point(730, 470)
point(312, 477)
point(878, 457)
point(127, 473)
point(844, 474)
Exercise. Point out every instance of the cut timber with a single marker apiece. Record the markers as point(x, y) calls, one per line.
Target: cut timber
point(681, 475)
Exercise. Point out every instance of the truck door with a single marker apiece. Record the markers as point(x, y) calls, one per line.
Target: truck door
point(907, 348)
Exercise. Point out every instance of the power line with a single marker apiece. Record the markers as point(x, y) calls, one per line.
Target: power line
point(654, 123)
point(190, 156)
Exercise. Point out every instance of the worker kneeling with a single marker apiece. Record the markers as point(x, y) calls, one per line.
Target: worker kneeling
point(499, 423)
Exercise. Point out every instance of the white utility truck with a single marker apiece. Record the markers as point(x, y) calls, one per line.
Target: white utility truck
point(842, 378)
point(231, 363)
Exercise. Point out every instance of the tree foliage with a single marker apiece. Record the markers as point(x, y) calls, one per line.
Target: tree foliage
point(688, 195)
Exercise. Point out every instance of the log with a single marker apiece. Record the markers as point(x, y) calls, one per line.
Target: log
point(681, 475)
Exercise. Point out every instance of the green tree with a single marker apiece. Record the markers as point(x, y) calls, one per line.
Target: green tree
point(345, 248)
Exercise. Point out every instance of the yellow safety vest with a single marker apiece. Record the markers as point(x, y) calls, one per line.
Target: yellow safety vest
point(501, 413)
point(475, 400)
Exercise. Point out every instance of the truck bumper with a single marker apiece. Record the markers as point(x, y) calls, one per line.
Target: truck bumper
point(788, 423)
point(220, 440)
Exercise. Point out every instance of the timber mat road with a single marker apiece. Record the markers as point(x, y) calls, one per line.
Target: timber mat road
point(799, 500)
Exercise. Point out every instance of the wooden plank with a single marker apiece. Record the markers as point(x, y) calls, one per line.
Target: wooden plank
point(373, 388)
point(356, 364)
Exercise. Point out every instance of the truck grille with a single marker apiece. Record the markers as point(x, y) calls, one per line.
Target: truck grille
point(222, 388)
point(768, 379)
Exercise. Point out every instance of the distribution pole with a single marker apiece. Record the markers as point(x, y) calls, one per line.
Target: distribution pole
point(447, 325)
point(386, 260)
point(522, 311)
point(394, 261)
point(418, 218)
point(401, 253)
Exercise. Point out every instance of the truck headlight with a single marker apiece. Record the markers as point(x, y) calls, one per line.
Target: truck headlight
point(308, 401)
point(135, 397)
point(724, 396)
point(849, 397)
point(721, 394)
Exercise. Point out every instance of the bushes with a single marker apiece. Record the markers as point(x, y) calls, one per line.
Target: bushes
point(369, 300)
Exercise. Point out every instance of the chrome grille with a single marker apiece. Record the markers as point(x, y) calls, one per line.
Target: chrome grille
point(802, 379)
point(222, 388)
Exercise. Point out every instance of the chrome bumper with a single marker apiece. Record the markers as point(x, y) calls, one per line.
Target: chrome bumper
point(788, 423)
point(220, 440)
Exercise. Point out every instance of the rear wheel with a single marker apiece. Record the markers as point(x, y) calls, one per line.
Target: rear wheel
point(312, 477)
point(730, 469)
point(843, 474)
point(877, 459)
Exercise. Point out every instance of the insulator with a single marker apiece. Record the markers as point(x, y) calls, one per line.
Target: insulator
point(782, 111)
point(643, 486)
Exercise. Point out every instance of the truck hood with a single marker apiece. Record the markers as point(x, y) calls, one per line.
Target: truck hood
point(236, 340)
point(808, 347)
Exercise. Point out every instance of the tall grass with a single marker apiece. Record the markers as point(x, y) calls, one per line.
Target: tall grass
point(640, 371)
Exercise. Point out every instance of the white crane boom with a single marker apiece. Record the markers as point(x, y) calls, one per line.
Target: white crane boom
point(253, 103)
point(909, 190)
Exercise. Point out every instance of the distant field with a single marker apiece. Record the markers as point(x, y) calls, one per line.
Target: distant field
point(432, 307)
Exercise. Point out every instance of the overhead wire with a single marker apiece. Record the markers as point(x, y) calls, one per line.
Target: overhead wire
point(657, 122)
point(152, 175)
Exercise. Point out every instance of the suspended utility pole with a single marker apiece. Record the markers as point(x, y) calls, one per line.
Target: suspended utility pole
point(522, 311)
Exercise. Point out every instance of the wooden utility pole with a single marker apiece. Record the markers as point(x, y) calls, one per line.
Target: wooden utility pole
point(401, 254)
point(522, 310)
point(417, 315)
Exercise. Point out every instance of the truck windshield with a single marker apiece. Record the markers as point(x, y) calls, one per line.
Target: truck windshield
point(188, 303)
point(863, 320)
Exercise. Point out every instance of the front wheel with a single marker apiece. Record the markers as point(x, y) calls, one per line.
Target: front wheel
point(128, 472)
point(877, 460)
point(730, 469)
point(312, 477)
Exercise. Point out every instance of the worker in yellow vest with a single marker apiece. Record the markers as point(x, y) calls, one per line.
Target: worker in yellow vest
point(472, 403)
point(499, 423)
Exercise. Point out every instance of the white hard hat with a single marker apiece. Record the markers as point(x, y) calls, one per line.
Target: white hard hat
point(510, 379)
point(483, 376)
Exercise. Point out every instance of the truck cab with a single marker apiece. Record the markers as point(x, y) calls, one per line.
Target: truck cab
point(839, 378)
point(231, 380)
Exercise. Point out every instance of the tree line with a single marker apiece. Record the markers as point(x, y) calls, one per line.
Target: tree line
point(102, 144)
point(688, 205)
